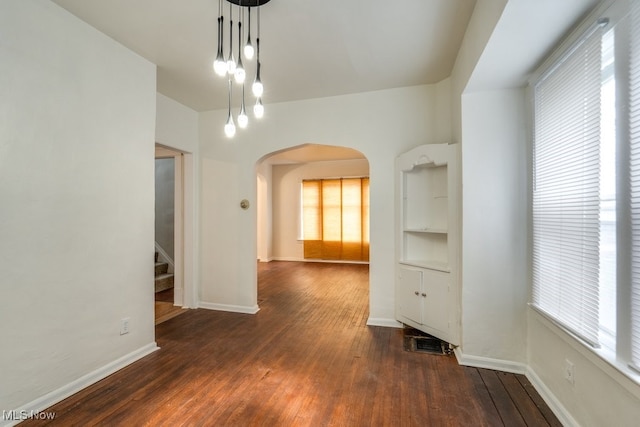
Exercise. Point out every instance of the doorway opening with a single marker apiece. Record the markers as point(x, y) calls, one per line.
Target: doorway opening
point(279, 198)
point(173, 232)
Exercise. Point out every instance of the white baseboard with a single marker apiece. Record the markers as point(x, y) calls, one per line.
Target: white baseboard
point(50, 399)
point(490, 363)
point(228, 307)
point(520, 368)
point(331, 261)
point(381, 321)
point(554, 404)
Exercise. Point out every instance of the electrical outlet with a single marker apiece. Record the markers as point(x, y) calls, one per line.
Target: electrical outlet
point(569, 372)
point(124, 326)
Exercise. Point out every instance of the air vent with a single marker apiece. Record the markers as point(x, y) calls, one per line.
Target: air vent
point(420, 342)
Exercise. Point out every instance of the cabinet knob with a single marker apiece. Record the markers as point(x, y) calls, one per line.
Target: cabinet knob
point(417, 293)
point(424, 295)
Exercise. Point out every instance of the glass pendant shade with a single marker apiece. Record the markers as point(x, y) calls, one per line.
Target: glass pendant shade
point(220, 65)
point(231, 65)
point(257, 87)
point(248, 47)
point(230, 128)
point(258, 109)
point(240, 74)
point(243, 119)
point(248, 50)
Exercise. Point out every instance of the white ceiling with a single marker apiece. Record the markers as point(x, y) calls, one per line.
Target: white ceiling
point(309, 49)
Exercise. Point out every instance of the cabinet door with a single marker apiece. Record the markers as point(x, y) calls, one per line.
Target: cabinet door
point(435, 299)
point(409, 288)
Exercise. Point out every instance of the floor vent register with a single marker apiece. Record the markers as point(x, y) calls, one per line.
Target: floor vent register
point(418, 341)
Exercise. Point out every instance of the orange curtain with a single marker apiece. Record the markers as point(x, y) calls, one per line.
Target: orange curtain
point(335, 217)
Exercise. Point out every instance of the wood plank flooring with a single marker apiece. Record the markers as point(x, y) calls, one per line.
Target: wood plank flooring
point(306, 359)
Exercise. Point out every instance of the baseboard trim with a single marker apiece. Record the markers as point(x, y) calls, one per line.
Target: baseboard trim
point(228, 307)
point(51, 398)
point(330, 261)
point(554, 404)
point(490, 363)
point(384, 322)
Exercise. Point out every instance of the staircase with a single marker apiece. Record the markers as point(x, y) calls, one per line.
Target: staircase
point(163, 279)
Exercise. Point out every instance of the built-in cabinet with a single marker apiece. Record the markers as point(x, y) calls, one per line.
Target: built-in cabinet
point(427, 285)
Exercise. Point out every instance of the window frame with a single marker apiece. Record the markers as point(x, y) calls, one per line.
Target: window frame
point(618, 12)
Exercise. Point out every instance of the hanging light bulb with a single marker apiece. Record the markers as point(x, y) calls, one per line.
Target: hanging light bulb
point(240, 74)
point(230, 127)
point(243, 119)
point(231, 61)
point(257, 87)
point(258, 109)
point(248, 47)
point(220, 65)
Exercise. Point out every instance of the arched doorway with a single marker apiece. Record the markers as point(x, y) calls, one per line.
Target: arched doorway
point(279, 177)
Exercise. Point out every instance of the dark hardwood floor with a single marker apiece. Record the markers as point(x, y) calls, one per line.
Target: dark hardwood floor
point(306, 359)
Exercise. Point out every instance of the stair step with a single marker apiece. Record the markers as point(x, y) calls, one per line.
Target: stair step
point(161, 268)
point(163, 282)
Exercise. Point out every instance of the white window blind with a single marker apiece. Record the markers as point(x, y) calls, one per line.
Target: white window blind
point(566, 199)
point(634, 131)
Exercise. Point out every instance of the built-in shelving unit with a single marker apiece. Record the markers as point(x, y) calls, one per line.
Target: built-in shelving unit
point(427, 240)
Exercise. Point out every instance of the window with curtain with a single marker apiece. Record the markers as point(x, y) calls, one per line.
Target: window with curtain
point(335, 219)
point(586, 187)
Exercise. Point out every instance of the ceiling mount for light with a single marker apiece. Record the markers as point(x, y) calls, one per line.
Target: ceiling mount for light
point(248, 3)
point(233, 70)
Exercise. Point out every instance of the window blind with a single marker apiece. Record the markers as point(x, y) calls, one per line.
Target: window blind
point(634, 132)
point(566, 199)
point(335, 217)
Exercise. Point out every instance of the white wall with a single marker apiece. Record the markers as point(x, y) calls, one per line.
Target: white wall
point(264, 211)
point(77, 118)
point(481, 25)
point(490, 122)
point(176, 125)
point(379, 124)
point(286, 200)
point(494, 223)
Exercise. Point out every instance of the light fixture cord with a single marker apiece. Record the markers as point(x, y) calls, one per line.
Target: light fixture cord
point(230, 31)
point(228, 116)
point(220, 28)
point(249, 26)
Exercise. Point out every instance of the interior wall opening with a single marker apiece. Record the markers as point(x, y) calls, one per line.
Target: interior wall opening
point(280, 178)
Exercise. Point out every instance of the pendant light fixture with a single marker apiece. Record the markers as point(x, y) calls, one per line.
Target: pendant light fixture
point(240, 74)
point(230, 127)
point(231, 62)
point(248, 47)
point(243, 119)
point(257, 87)
point(220, 65)
point(236, 70)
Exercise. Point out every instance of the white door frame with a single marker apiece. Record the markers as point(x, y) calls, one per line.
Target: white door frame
point(184, 289)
